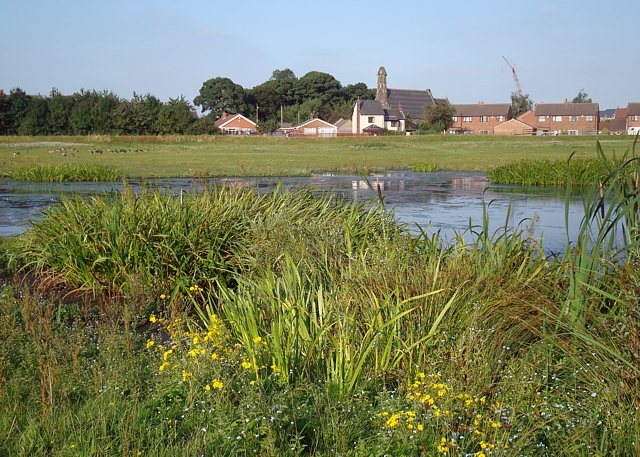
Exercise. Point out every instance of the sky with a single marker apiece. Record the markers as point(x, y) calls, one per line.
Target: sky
point(456, 49)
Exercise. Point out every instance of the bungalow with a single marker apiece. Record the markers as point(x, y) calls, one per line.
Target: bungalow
point(312, 127)
point(236, 124)
point(480, 118)
point(368, 113)
point(567, 118)
point(513, 127)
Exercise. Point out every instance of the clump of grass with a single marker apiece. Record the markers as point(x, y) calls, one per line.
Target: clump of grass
point(552, 173)
point(425, 167)
point(66, 172)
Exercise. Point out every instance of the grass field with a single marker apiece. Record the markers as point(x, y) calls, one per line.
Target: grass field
point(182, 156)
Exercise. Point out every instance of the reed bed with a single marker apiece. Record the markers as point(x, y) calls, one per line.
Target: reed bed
point(65, 172)
point(553, 173)
point(226, 322)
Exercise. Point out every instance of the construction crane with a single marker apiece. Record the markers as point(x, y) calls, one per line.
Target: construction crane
point(515, 77)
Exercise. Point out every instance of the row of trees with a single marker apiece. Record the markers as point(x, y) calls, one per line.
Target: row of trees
point(91, 112)
point(283, 97)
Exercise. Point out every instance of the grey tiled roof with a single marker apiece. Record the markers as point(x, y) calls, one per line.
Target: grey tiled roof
point(371, 107)
point(566, 109)
point(412, 101)
point(491, 109)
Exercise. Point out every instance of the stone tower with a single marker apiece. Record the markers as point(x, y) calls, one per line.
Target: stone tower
point(381, 92)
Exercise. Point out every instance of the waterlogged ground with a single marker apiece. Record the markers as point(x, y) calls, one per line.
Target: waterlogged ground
point(442, 201)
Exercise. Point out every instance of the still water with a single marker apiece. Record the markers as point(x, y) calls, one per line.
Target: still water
point(444, 201)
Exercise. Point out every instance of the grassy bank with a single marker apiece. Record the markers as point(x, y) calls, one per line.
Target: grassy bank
point(181, 156)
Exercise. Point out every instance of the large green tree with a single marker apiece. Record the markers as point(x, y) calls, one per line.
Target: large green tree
point(582, 97)
point(520, 104)
point(438, 117)
point(219, 95)
point(321, 86)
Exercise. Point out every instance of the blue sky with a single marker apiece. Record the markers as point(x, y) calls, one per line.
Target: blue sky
point(455, 49)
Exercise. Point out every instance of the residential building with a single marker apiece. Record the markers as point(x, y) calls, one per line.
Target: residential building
point(633, 118)
point(369, 115)
point(567, 118)
point(236, 124)
point(312, 127)
point(343, 126)
point(514, 127)
point(391, 108)
point(480, 118)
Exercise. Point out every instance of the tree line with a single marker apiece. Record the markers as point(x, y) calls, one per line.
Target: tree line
point(283, 97)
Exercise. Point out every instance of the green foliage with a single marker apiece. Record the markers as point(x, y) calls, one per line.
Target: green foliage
point(553, 173)
point(520, 104)
point(582, 97)
point(65, 172)
point(438, 117)
point(425, 167)
point(219, 95)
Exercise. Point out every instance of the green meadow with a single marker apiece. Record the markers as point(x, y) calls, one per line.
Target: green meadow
point(183, 156)
point(228, 322)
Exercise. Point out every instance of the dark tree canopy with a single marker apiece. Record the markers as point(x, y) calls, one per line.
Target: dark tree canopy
point(220, 95)
point(520, 104)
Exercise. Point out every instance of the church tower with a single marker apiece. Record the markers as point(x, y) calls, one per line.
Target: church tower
point(381, 92)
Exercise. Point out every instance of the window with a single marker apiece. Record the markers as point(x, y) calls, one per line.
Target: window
point(483, 132)
point(455, 118)
point(573, 132)
point(541, 118)
point(466, 118)
point(573, 118)
point(588, 118)
point(309, 131)
point(634, 117)
point(394, 123)
point(556, 118)
point(499, 118)
point(371, 119)
point(484, 118)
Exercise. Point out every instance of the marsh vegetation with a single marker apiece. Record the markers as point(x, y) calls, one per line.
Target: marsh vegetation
point(225, 322)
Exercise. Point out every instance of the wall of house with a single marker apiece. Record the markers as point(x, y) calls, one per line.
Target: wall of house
point(398, 128)
point(566, 126)
point(476, 125)
point(239, 123)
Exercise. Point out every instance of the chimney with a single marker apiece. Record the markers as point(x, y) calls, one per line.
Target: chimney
point(400, 108)
point(224, 114)
point(566, 100)
point(480, 103)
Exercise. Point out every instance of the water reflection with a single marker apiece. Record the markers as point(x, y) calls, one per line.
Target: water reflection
point(446, 201)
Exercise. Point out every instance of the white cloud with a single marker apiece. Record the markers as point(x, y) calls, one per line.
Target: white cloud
point(549, 9)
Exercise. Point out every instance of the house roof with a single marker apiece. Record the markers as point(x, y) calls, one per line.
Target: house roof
point(566, 109)
point(481, 109)
point(317, 119)
point(372, 128)
point(412, 101)
point(343, 125)
point(528, 117)
point(617, 125)
point(371, 108)
point(226, 119)
point(513, 123)
point(621, 113)
point(633, 109)
point(608, 113)
point(374, 108)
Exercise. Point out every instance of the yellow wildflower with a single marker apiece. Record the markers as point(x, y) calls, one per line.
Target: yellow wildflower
point(166, 354)
point(186, 375)
point(162, 296)
point(217, 384)
point(246, 365)
point(207, 387)
point(164, 365)
point(257, 339)
point(150, 343)
point(214, 356)
point(420, 427)
point(392, 422)
point(152, 318)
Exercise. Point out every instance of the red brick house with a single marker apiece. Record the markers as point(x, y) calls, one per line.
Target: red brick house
point(236, 124)
point(567, 118)
point(480, 118)
point(514, 127)
point(633, 118)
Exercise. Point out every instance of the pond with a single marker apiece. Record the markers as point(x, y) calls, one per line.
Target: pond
point(444, 201)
